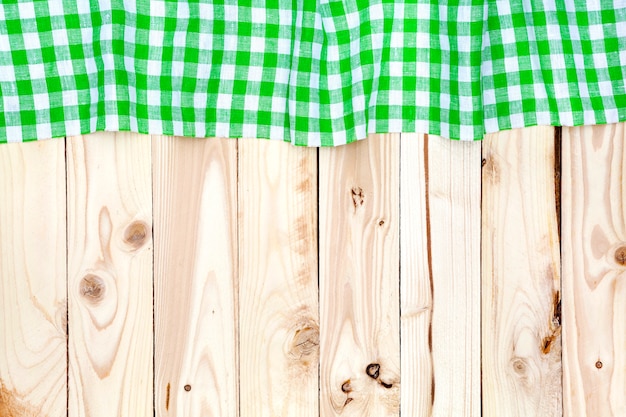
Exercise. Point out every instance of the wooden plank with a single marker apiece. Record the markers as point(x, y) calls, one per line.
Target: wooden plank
point(359, 278)
point(278, 310)
point(594, 270)
point(521, 346)
point(416, 302)
point(195, 276)
point(33, 308)
point(440, 276)
point(110, 275)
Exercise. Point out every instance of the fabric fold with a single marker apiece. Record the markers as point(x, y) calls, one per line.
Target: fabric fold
point(310, 72)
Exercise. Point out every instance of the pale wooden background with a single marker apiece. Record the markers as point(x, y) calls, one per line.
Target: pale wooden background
point(190, 277)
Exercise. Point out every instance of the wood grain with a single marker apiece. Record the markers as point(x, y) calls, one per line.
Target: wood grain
point(416, 287)
point(359, 278)
point(594, 270)
point(195, 276)
point(278, 310)
point(33, 308)
point(110, 275)
point(521, 345)
point(241, 327)
point(440, 276)
point(195, 238)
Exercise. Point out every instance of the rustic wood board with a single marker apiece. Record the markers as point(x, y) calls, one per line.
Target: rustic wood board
point(418, 387)
point(521, 346)
point(359, 278)
point(33, 308)
point(110, 275)
point(219, 239)
point(195, 276)
point(440, 276)
point(278, 309)
point(594, 270)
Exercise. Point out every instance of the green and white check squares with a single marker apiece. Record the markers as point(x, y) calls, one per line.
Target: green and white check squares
point(547, 65)
point(311, 72)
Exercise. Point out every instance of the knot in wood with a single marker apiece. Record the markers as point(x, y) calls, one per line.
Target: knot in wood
point(92, 288)
point(491, 169)
point(599, 365)
point(373, 370)
point(556, 309)
point(620, 255)
point(346, 387)
point(547, 344)
point(305, 341)
point(136, 234)
point(187, 387)
point(386, 385)
point(358, 197)
point(519, 366)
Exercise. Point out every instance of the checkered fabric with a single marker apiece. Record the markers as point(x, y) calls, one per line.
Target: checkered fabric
point(311, 72)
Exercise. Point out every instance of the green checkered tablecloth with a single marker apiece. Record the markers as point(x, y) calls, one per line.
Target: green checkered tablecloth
point(311, 72)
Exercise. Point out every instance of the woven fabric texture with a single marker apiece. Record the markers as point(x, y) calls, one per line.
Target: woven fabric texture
point(311, 72)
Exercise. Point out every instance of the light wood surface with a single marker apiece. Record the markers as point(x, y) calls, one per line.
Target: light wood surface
point(109, 208)
point(430, 286)
point(278, 309)
point(594, 266)
point(440, 276)
point(416, 287)
point(521, 343)
point(359, 278)
point(33, 308)
point(195, 276)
